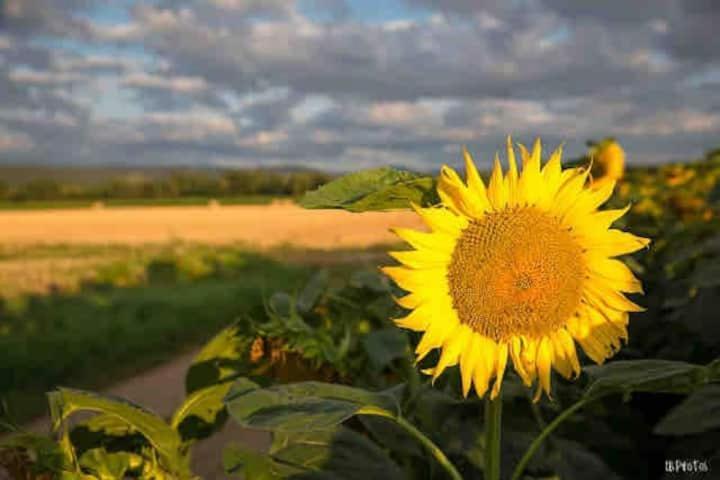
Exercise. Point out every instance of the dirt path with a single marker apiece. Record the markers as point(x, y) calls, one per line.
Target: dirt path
point(161, 389)
point(261, 226)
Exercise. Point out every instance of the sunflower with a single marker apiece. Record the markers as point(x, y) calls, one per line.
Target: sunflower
point(522, 268)
point(609, 162)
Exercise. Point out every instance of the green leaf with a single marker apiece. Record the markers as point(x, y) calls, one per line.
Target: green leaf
point(253, 465)
point(661, 376)
point(109, 425)
point(46, 452)
point(375, 189)
point(301, 406)
point(698, 413)
point(576, 461)
point(384, 346)
point(109, 466)
point(220, 359)
point(338, 453)
point(310, 295)
point(64, 402)
point(205, 405)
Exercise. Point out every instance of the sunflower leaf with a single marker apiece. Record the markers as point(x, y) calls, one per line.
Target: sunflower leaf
point(698, 413)
point(336, 453)
point(659, 376)
point(64, 402)
point(375, 189)
point(299, 407)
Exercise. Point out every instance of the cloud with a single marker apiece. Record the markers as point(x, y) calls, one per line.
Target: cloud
point(313, 82)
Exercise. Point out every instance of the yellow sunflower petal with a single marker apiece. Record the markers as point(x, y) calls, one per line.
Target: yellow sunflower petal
point(474, 181)
point(458, 197)
point(452, 348)
point(497, 191)
point(500, 364)
point(544, 364)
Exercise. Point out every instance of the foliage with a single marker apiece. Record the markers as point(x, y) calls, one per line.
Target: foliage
point(166, 185)
point(376, 189)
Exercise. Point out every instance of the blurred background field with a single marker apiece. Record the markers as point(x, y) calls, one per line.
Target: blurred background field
point(90, 293)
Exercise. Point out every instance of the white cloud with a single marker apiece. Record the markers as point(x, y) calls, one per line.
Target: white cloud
point(178, 84)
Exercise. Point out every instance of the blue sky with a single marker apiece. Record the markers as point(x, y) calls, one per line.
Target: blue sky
point(347, 84)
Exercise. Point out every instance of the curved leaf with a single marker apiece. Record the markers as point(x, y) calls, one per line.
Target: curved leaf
point(207, 405)
point(220, 359)
point(375, 189)
point(660, 376)
point(64, 402)
point(698, 413)
point(300, 406)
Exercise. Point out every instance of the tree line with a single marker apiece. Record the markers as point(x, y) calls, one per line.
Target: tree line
point(180, 184)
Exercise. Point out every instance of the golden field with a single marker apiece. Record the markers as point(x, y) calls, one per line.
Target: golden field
point(261, 226)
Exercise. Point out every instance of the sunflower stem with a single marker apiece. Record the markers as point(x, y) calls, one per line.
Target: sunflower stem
point(434, 450)
point(535, 445)
point(493, 429)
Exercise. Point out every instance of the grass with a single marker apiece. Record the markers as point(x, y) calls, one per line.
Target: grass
point(134, 202)
point(138, 308)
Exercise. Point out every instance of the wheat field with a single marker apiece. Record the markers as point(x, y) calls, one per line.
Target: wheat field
point(261, 226)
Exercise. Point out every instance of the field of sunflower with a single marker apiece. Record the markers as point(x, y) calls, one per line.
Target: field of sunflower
point(553, 322)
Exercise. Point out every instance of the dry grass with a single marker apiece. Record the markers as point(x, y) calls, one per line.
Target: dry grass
point(257, 226)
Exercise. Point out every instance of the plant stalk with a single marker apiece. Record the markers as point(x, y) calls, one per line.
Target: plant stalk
point(493, 431)
point(438, 454)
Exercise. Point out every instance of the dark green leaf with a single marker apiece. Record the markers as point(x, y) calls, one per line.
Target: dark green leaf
point(384, 346)
point(645, 376)
point(376, 189)
point(338, 453)
point(300, 406)
point(310, 295)
point(252, 465)
point(206, 406)
point(575, 461)
point(698, 413)
point(221, 358)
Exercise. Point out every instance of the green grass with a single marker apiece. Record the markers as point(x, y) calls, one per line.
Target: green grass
point(143, 307)
point(134, 202)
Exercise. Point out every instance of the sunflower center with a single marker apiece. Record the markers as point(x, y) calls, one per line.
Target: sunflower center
point(516, 272)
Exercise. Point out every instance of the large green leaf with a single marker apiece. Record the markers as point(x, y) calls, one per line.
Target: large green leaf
point(698, 413)
point(309, 296)
point(220, 359)
point(660, 376)
point(376, 189)
point(301, 406)
point(339, 453)
point(384, 346)
point(205, 407)
point(252, 465)
point(64, 402)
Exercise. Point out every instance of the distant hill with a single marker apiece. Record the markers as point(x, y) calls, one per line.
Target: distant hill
point(86, 175)
point(13, 175)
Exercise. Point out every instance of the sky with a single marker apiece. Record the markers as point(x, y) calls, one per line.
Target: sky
point(348, 84)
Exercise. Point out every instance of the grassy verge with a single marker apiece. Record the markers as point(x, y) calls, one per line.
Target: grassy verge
point(134, 309)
